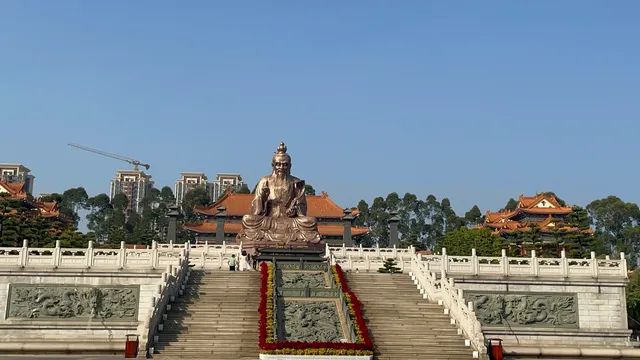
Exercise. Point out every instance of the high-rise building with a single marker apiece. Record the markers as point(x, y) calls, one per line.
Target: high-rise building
point(134, 184)
point(222, 183)
point(17, 173)
point(188, 181)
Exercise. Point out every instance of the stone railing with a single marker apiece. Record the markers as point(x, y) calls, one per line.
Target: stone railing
point(205, 256)
point(171, 285)
point(89, 258)
point(562, 267)
point(444, 292)
point(359, 252)
point(358, 258)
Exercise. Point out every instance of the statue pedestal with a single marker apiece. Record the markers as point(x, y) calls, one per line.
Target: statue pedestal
point(292, 255)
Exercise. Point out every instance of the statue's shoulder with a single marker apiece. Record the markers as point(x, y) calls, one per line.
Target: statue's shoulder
point(296, 180)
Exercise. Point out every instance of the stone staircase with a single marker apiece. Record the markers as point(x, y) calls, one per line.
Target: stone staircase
point(217, 318)
point(403, 325)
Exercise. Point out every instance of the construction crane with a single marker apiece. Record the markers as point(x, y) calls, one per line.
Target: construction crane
point(133, 162)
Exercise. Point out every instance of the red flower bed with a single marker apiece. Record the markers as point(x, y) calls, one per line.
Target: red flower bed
point(269, 346)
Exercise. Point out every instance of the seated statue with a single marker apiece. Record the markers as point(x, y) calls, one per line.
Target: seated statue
point(279, 210)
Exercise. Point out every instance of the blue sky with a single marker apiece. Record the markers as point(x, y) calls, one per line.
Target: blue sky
point(477, 101)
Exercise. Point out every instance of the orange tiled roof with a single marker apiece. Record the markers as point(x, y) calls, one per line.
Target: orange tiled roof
point(547, 225)
point(528, 204)
point(234, 228)
point(319, 206)
point(502, 221)
point(45, 208)
point(15, 190)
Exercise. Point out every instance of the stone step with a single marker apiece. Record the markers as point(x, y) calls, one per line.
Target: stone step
point(393, 324)
point(215, 318)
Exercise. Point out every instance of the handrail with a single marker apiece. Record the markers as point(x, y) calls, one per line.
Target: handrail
point(445, 291)
point(173, 281)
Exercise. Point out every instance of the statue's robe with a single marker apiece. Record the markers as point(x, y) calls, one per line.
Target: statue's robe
point(279, 213)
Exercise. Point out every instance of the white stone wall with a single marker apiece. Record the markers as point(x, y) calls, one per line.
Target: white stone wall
point(15, 332)
point(602, 310)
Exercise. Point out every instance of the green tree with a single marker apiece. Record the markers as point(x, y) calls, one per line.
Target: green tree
point(195, 197)
point(511, 204)
point(633, 300)
point(473, 217)
point(389, 267)
point(614, 221)
point(462, 240)
point(364, 220)
point(309, 190)
point(244, 189)
point(451, 220)
point(412, 240)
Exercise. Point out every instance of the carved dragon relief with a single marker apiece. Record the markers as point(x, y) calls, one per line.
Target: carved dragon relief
point(55, 302)
point(525, 309)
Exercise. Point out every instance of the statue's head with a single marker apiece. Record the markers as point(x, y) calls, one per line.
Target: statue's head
point(281, 162)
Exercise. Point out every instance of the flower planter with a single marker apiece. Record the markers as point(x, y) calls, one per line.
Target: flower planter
point(271, 348)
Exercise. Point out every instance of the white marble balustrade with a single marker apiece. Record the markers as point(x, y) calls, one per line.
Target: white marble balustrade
point(376, 252)
point(443, 291)
point(89, 258)
point(526, 266)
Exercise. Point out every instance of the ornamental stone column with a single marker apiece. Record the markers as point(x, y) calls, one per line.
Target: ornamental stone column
point(172, 228)
point(393, 225)
point(220, 217)
point(348, 221)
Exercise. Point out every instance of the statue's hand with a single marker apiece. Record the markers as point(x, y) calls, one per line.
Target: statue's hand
point(291, 211)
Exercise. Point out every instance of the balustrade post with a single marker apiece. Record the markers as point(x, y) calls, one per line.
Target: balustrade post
point(367, 262)
point(377, 250)
point(220, 257)
point(395, 252)
point(326, 249)
point(360, 251)
point(155, 261)
point(350, 263)
point(623, 265)
point(505, 263)
point(57, 253)
point(564, 264)
point(535, 269)
point(123, 253)
point(205, 250)
point(24, 253)
point(224, 247)
point(475, 265)
point(170, 244)
point(89, 255)
point(344, 250)
point(444, 263)
point(594, 265)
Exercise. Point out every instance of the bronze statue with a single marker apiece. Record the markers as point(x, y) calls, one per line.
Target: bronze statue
point(279, 210)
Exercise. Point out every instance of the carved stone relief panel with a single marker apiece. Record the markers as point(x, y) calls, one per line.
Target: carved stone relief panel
point(525, 309)
point(56, 302)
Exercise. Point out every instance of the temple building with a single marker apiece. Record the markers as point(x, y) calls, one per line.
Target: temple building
point(543, 210)
point(46, 209)
point(223, 219)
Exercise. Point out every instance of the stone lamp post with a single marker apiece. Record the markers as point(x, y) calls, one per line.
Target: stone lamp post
point(393, 225)
point(172, 228)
